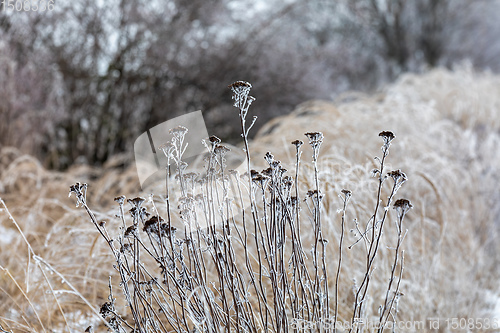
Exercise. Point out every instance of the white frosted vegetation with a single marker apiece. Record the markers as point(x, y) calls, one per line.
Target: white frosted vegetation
point(447, 143)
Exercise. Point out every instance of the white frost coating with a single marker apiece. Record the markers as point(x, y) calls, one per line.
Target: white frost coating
point(6, 235)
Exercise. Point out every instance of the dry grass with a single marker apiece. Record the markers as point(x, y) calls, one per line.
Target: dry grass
point(447, 138)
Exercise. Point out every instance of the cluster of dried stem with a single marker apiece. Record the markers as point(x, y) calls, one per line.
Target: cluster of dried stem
point(233, 267)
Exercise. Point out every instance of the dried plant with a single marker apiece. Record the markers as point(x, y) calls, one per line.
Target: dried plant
point(56, 266)
point(208, 263)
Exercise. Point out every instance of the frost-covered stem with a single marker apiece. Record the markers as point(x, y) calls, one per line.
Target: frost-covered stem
point(402, 206)
point(347, 195)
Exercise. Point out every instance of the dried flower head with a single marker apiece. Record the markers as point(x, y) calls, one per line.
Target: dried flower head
point(130, 232)
point(241, 90)
point(254, 173)
point(178, 131)
point(315, 140)
point(240, 87)
point(126, 248)
point(267, 172)
point(269, 157)
point(402, 206)
point(137, 202)
point(167, 148)
point(80, 190)
point(120, 199)
point(297, 143)
point(107, 309)
point(214, 140)
point(190, 176)
point(221, 150)
point(398, 176)
point(314, 137)
point(387, 136)
point(312, 193)
point(346, 193)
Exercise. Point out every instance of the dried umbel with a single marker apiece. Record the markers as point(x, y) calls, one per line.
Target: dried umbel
point(387, 136)
point(179, 131)
point(269, 158)
point(399, 178)
point(80, 190)
point(347, 194)
point(297, 143)
point(120, 199)
point(242, 100)
point(221, 151)
point(157, 228)
point(168, 149)
point(136, 202)
point(213, 139)
point(315, 140)
point(402, 206)
point(241, 90)
point(107, 309)
point(214, 142)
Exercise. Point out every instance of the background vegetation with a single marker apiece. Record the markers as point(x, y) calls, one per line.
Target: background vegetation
point(80, 83)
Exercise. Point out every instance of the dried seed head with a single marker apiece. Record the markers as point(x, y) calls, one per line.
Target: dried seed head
point(312, 193)
point(276, 165)
point(402, 206)
point(130, 232)
point(241, 90)
point(190, 176)
point(137, 202)
point(200, 198)
point(267, 172)
point(156, 227)
point(258, 177)
point(387, 136)
point(315, 140)
point(106, 309)
point(269, 157)
point(178, 131)
point(167, 148)
point(398, 176)
point(297, 143)
point(346, 193)
point(221, 150)
point(239, 86)
point(314, 137)
point(214, 139)
point(126, 248)
point(80, 190)
point(120, 199)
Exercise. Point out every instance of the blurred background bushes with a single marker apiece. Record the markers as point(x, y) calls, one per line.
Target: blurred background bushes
point(80, 83)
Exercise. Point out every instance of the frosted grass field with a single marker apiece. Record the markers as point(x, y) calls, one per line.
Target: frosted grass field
point(447, 137)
